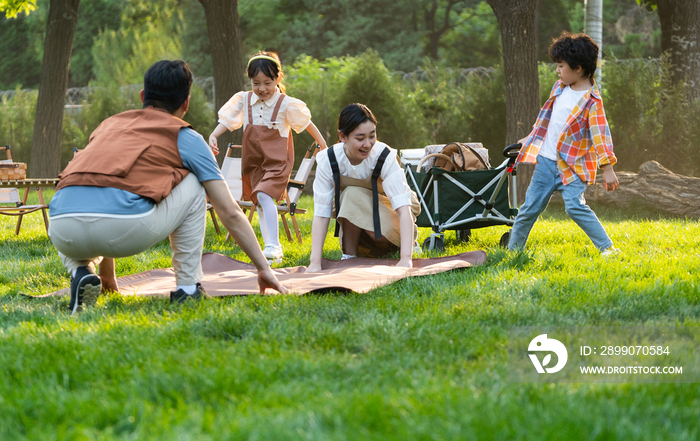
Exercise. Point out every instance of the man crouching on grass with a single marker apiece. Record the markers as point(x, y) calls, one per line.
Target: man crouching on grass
point(144, 176)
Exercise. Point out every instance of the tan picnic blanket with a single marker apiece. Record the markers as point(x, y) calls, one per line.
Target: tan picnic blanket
point(224, 276)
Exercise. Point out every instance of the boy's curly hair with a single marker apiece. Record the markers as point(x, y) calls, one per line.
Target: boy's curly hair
point(577, 50)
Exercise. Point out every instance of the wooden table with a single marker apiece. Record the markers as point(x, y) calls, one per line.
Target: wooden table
point(28, 184)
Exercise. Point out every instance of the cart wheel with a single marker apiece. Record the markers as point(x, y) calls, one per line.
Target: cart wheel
point(463, 235)
point(504, 240)
point(434, 242)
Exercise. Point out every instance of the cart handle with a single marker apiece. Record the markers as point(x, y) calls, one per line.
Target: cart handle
point(433, 155)
point(512, 150)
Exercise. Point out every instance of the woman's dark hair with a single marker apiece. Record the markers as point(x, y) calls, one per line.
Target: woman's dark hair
point(352, 116)
point(268, 67)
point(577, 50)
point(167, 85)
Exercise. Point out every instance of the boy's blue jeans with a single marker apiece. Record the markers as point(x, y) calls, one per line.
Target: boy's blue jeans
point(545, 181)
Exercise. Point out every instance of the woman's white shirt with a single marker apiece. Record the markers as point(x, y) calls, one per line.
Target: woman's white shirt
point(293, 113)
point(394, 180)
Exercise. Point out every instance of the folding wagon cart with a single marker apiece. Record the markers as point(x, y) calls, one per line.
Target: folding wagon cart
point(463, 201)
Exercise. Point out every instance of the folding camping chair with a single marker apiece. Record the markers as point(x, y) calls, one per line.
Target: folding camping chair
point(231, 169)
point(19, 206)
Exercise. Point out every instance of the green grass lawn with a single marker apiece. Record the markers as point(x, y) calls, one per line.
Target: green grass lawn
point(423, 358)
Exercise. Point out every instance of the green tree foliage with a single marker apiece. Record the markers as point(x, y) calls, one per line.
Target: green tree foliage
point(475, 39)
point(94, 18)
point(23, 37)
point(651, 117)
point(196, 47)
point(318, 84)
point(17, 122)
point(369, 82)
point(144, 37)
point(630, 31)
point(20, 61)
point(11, 8)
point(324, 29)
point(396, 30)
point(552, 19)
point(466, 107)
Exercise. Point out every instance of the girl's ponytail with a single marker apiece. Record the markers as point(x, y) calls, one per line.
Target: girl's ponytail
point(267, 62)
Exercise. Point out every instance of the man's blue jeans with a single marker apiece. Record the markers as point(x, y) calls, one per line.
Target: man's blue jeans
point(545, 181)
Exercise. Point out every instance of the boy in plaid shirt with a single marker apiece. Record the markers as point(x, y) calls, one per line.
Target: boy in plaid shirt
point(569, 140)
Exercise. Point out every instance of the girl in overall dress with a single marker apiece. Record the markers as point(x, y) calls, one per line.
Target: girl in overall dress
point(267, 116)
point(361, 179)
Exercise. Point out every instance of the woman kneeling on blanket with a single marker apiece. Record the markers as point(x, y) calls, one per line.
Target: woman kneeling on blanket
point(362, 180)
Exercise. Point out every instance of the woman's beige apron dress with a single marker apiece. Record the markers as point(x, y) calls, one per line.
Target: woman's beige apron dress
point(267, 158)
point(356, 208)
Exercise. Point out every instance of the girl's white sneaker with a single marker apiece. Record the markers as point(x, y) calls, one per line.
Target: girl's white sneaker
point(273, 254)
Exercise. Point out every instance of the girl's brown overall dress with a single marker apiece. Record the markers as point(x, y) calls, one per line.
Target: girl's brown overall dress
point(267, 158)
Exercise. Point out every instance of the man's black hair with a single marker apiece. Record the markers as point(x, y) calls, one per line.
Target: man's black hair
point(577, 50)
point(167, 85)
point(352, 116)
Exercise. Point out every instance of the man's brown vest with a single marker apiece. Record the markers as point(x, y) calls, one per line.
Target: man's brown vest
point(134, 151)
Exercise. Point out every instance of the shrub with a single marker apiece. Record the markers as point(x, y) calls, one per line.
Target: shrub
point(317, 84)
point(17, 122)
point(103, 101)
point(547, 73)
point(400, 123)
point(461, 106)
point(328, 86)
point(650, 118)
point(486, 119)
point(201, 112)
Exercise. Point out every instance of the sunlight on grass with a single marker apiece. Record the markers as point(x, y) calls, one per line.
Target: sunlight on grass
point(423, 358)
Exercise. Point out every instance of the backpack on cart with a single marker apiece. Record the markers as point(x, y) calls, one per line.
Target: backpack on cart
point(458, 157)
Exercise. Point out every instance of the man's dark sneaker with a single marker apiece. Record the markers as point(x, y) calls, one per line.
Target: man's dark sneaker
point(180, 295)
point(85, 288)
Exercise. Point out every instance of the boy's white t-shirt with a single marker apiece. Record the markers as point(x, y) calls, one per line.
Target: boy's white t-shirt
point(563, 106)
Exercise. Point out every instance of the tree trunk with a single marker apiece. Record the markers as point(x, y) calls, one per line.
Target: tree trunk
point(516, 21)
point(594, 28)
point(45, 157)
point(435, 30)
point(654, 186)
point(227, 58)
point(680, 36)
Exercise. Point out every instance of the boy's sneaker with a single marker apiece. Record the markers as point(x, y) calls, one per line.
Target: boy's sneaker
point(273, 254)
point(85, 288)
point(181, 296)
point(610, 252)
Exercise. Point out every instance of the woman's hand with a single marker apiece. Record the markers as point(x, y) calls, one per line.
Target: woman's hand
point(213, 144)
point(406, 227)
point(319, 228)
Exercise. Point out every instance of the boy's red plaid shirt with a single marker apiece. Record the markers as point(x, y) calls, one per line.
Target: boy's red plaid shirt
point(584, 142)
